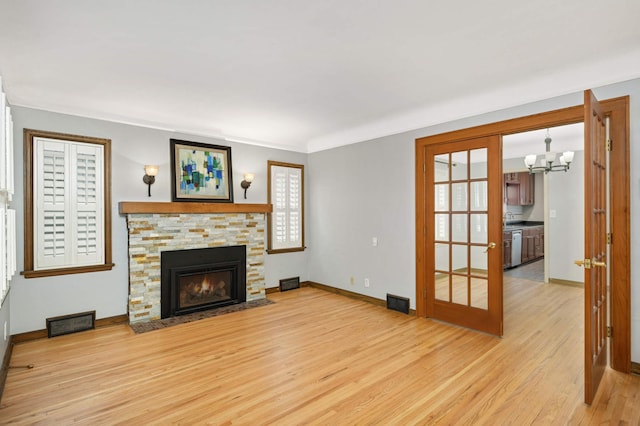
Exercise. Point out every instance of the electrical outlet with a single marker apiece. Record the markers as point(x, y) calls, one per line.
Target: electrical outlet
point(366, 282)
point(374, 241)
point(352, 280)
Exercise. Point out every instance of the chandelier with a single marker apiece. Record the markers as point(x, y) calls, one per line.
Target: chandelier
point(547, 160)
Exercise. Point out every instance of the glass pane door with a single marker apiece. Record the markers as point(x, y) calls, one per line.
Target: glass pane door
point(461, 228)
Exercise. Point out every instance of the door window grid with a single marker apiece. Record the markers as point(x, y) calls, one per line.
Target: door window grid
point(458, 280)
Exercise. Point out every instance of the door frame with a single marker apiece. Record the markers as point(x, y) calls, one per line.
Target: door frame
point(617, 109)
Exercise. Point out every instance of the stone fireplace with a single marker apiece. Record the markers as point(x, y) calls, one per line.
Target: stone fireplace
point(156, 228)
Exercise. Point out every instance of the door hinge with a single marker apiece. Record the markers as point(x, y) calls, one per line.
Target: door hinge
point(609, 144)
point(609, 238)
point(609, 331)
point(424, 167)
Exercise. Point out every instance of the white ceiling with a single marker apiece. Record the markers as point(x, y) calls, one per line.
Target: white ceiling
point(563, 138)
point(308, 75)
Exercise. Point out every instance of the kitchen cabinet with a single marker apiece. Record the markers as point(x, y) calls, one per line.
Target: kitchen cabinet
point(519, 189)
point(506, 248)
point(539, 241)
point(511, 177)
point(532, 245)
point(528, 245)
point(527, 188)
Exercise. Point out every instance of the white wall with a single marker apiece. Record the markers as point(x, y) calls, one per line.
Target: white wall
point(368, 189)
point(35, 299)
point(566, 229)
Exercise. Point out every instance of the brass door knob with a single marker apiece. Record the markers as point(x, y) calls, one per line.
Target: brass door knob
point(490, 246)
point(586, 263)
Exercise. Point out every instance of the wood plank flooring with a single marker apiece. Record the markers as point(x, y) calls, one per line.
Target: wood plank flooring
point(315, 357)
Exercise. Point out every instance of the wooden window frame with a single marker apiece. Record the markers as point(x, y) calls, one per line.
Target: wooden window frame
point(302, 246)
point(29, 272)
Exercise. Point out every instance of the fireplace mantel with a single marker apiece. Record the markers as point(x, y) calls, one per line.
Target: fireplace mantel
point(137, 207)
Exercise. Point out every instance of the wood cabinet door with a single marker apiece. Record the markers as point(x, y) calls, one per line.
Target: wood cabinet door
point(513, 194)
point(506, 249)
point(539, 241)
point(527, 188)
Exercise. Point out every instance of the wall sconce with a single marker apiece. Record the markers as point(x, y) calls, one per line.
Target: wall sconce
point(246, 183)
point(149, 177)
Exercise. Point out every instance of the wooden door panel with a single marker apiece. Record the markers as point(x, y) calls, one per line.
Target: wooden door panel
point(462, 196)
point(595, 277)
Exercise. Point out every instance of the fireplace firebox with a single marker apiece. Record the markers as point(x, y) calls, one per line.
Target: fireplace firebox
point(201, 279)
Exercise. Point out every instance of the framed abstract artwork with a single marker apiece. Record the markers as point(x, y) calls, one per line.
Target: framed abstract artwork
point(201, 172)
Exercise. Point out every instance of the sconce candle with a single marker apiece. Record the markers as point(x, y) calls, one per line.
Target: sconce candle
point(149, 177)
point(246, 183)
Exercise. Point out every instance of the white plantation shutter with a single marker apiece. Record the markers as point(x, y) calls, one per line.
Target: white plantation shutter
point(88, 213)
point(4, 279)
point(68, 204)
point(11, 244)
point(3, 141)
point(286, 199)
point(7, 215)
point(8, 155)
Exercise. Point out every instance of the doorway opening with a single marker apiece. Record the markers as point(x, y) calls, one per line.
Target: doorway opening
point(543, 213)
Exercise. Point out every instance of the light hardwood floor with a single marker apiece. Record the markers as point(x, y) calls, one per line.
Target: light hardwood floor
point(315, 357)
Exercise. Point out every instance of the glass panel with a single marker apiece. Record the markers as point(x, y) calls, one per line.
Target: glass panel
point(478, 163)
point(441, 231)
point(442, 287)
point(459, 166)
point(479, 228)
point(442, 257)
point(479, 260)
point(480, 293)
point(459, 228)
point(479, 196)
point(459, 197)
point(441, 192)
point(459, 290)
point(441, 168)
point(459, 258)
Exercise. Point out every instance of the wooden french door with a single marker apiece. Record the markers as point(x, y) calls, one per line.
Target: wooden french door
point(463, 233)
point(595, 221)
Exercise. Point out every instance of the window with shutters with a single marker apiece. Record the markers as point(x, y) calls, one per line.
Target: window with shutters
point(68, 204)
point(286, 195)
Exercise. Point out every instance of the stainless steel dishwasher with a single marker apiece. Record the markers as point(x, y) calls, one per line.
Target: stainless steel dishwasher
point(516, 247)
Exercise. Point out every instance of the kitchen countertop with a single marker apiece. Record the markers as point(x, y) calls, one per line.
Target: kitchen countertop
point(522, 224)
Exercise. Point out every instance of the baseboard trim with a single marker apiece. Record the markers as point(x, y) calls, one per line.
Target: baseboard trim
point(271, 290)
point(635, 368)
point(42, 334)
point(5, 365)
point(352, 295)
point(566, 282)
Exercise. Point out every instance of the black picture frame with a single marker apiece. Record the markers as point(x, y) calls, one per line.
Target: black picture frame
point(201, 172)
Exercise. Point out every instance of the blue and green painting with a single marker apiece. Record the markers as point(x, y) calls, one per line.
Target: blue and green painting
point(203, 173)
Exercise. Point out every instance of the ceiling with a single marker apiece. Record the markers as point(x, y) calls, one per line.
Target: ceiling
point(307, 75)
point(563, 138)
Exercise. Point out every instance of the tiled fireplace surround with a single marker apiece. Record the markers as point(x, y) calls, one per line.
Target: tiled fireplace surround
point(157, 227)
